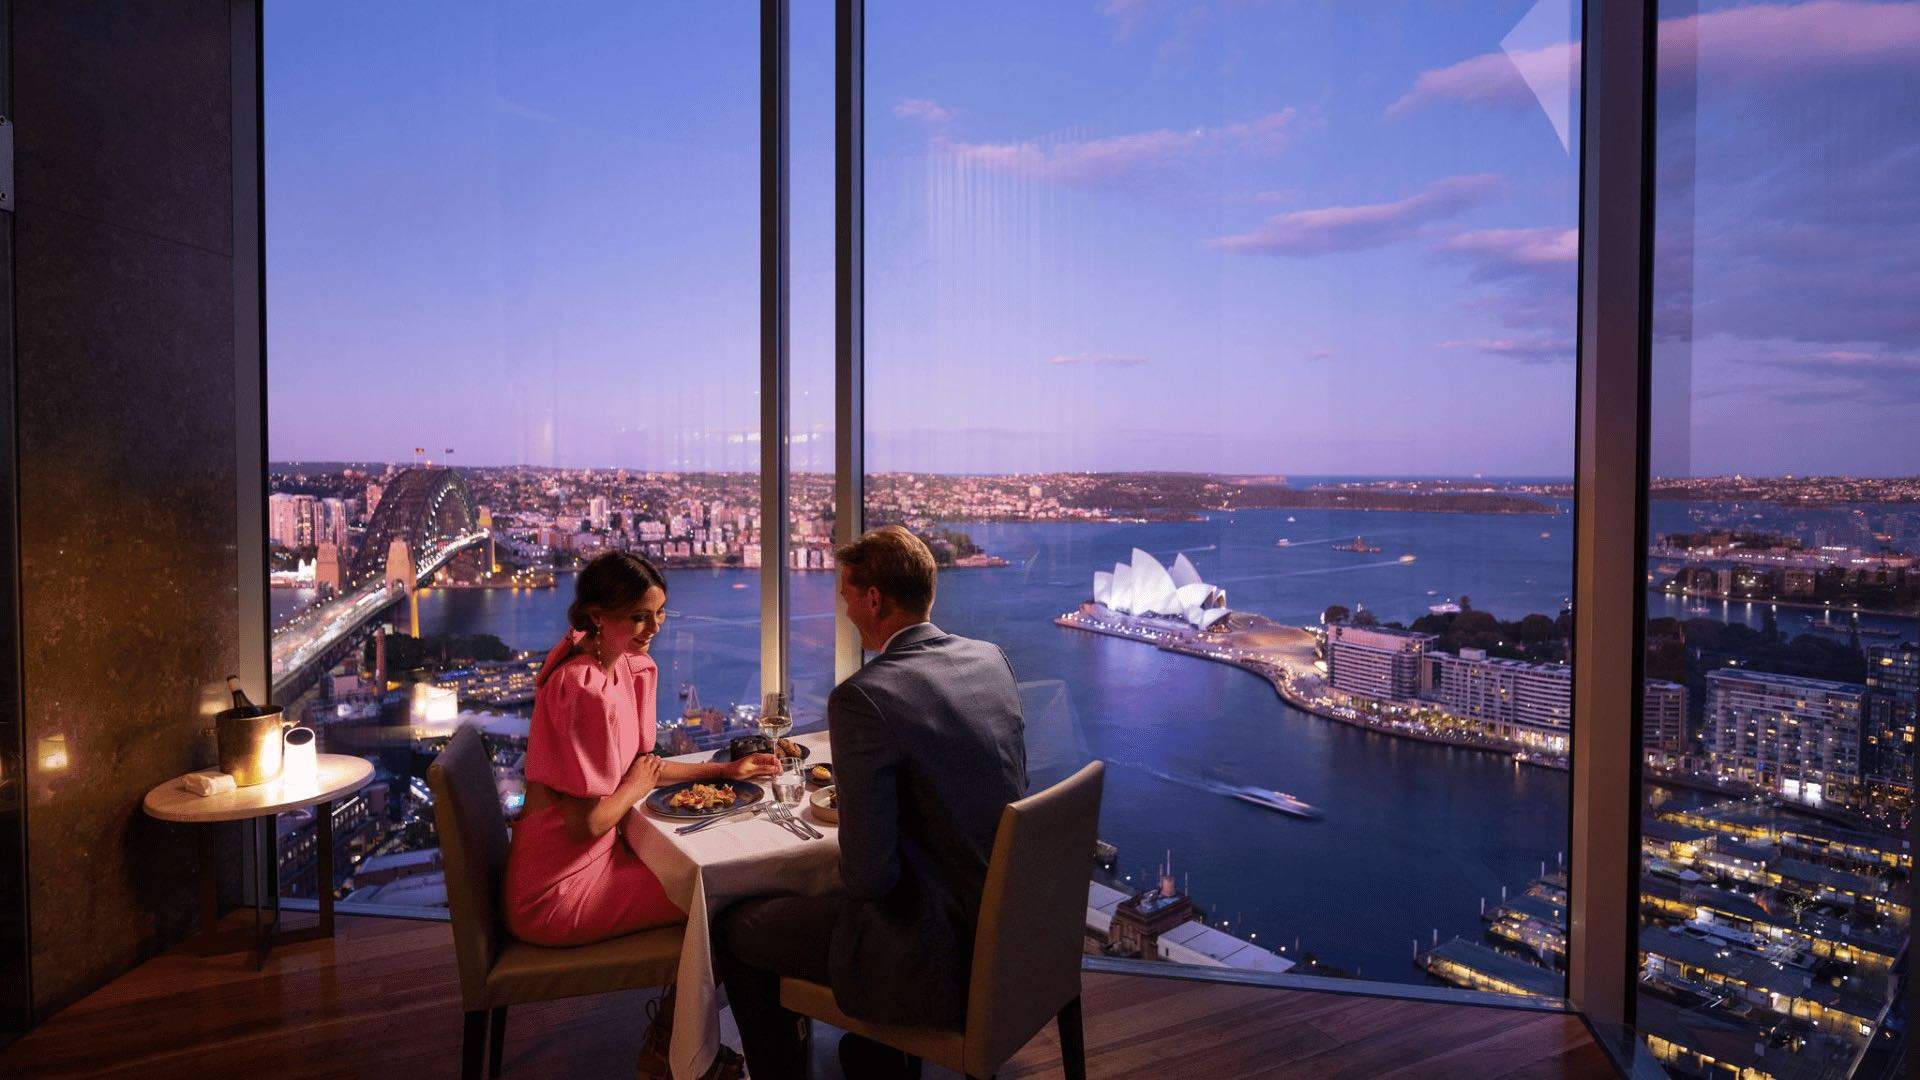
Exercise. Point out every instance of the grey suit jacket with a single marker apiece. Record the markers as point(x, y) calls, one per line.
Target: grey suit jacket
point(928, 748)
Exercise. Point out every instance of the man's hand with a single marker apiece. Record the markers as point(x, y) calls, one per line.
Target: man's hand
point(752, 767)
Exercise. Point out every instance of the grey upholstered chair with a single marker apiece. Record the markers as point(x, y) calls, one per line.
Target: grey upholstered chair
point(495, 970)
point(1026, 955)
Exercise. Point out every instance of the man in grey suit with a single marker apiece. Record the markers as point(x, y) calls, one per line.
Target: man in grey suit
point(928, 748)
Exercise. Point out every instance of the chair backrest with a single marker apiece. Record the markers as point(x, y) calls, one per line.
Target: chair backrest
point(1033, 915)
point(473, 855)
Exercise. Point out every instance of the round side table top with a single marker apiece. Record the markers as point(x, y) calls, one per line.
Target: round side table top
point(338, 774)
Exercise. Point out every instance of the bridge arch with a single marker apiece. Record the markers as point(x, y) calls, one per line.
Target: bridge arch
point(420, 508)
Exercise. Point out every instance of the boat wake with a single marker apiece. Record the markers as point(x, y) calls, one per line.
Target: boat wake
point(1196, 783)
point(1271, 800)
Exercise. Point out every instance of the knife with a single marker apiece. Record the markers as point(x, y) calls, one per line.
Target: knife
point(698, 825)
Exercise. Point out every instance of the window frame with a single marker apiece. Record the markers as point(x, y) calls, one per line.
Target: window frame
point(1610, 496)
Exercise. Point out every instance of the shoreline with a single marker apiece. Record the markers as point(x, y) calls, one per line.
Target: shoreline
point(1274, 677)
point(1802, 605)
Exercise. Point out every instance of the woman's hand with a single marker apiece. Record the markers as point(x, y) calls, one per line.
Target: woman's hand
point(751, 767)
point(644, 773)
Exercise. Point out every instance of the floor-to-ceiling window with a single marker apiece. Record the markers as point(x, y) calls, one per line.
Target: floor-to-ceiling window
point(1781, 656)
point(1224, 355)
point(513, 304)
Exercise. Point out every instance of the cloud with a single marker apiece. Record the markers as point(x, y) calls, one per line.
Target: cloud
point(1533, 273)
point(1528, 350)
point(1065, 360)
point(1762, 45)
point(1116, 159)
point(1352, 228)
point(1321, 354)
point(923, 111)
point(1489, 79)
point(1506, 252)
point(1127, 15)
point(1853, 374)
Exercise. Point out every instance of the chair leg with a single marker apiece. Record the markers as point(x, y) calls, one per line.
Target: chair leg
point(497, 1040)
point(473, 1044)
point(1073, 1042)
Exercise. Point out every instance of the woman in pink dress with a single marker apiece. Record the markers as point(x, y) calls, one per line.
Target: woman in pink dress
point(571, 878)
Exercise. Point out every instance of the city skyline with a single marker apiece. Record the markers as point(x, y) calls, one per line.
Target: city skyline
point(1206, 204)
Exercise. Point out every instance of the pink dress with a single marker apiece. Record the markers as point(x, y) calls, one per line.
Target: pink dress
point(587, 728)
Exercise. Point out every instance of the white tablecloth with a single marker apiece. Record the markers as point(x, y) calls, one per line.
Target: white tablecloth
point(708, 871)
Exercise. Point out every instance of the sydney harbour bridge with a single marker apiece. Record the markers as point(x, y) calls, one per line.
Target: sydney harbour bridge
point(426, 518)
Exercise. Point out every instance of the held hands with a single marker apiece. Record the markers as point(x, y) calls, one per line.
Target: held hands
point(645, 772)
point(751, 767)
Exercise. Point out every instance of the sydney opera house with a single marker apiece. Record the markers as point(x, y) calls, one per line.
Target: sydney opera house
point(1144, 587)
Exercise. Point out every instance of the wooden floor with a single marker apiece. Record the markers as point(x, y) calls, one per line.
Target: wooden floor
point(382, 1000)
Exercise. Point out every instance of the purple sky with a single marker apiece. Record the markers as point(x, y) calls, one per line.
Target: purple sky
point(1239, 236)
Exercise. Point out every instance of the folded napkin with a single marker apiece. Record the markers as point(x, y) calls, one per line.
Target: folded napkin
point(208, 782)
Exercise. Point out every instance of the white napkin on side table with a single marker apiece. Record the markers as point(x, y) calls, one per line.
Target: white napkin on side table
point(208, 782)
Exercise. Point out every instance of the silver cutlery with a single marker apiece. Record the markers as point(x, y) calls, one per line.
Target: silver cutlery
point(683, 830)
point(798, 827)
point(805, 824)
point(780, 817)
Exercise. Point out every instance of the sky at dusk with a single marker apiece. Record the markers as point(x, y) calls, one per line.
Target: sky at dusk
point(1279, 237)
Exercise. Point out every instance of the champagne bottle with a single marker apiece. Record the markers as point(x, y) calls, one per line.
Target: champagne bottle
point(242, 705)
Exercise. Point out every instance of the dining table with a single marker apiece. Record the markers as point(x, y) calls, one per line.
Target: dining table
point(704, 872)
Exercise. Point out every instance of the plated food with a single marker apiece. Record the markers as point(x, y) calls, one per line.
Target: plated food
point(702, 798)
point(819, 774)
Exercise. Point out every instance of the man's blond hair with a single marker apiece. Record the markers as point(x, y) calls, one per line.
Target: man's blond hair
point(894, 561)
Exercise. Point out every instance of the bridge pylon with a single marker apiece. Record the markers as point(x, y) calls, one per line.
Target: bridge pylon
point(485, 522)
point(400, 570)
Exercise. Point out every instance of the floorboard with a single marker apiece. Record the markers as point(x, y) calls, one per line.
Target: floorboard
point(382, 1000)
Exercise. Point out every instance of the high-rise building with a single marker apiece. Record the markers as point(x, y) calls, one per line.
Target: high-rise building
point(597, 511)
point(291, 520)
point(374, 492)
point(1526, 702)
point(1663, 727)
point(281, 528)
point(1376, 662)
point(1797, 737)
point(331, 526)
point(1532, 703)
point(1892, 708)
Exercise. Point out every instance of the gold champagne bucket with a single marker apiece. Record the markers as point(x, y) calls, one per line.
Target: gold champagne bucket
point(250, 744)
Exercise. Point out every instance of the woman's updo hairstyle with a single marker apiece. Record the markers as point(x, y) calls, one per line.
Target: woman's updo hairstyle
point(614, 581)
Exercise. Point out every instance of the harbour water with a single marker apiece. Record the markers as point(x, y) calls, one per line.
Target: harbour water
point(1413, 835)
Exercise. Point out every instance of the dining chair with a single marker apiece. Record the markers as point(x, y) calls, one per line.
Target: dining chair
point(1026, 952)
point(496, 970)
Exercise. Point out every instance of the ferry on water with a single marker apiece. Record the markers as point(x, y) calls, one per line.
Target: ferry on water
point(1276, 800)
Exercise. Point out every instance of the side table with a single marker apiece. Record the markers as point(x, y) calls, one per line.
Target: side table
point(337, 775)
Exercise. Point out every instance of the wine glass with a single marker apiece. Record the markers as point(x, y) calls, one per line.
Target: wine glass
point(774, 720)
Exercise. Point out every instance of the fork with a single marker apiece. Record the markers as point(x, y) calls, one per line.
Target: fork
point(794, 823)
point(779, 816)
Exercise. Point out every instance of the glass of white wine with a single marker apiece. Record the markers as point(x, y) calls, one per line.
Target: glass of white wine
point(775, 720)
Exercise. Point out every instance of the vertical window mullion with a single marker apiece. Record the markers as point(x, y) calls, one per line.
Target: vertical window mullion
point(1610, 478)
point(774, 384)
point(849, 482)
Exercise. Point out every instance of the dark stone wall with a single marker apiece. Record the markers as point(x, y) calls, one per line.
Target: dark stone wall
point(124, 287)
